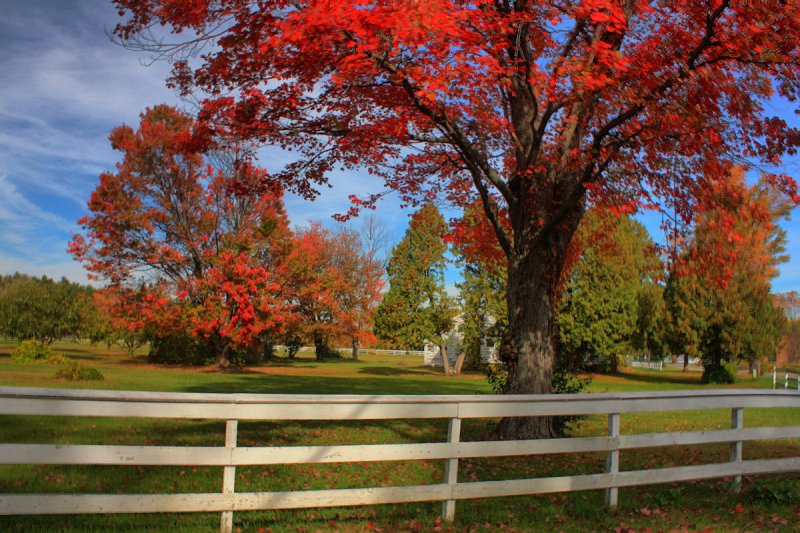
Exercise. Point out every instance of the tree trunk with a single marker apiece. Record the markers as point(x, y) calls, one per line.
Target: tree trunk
point(529, 348)
point(354, 344)
point(685, 362)
point(223, 352)
point(445, 359)
point(460, 362)
point(320, 346)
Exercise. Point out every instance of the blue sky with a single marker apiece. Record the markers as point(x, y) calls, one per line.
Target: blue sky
point(65, 85)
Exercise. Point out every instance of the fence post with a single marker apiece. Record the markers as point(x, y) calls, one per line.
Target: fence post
point(612, 460)
point(451, 469)
point(737, 422)
point(228, 476)
point(774, 377)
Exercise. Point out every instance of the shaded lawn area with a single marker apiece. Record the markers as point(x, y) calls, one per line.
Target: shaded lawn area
point(766, 504)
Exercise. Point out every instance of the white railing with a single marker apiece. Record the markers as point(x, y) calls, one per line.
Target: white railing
point(235, 407)
point(789, 376)
point(651, 365)
point(363, 351)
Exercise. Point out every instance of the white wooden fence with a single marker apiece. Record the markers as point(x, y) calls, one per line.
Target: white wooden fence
point(362, 351)
point(789, 376)
point(235, 407)
point(650, 365)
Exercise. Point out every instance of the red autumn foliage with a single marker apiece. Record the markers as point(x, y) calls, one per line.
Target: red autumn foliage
point(180, 247)
point(526, 107)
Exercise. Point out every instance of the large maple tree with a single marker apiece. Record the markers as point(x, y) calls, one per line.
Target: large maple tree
point(527, 106)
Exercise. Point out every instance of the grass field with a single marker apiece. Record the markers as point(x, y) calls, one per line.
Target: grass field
point(765, 504)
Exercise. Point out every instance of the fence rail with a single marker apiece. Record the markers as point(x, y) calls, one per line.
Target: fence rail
point(236, 407)
point(651, 365)
point(363, 351)
point(789, 376)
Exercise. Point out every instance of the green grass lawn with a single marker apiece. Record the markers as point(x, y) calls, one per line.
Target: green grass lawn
point(765, 504)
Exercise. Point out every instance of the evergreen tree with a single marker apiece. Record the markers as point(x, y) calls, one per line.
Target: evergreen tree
point(416, 310)
point(649, 336)
point(598, 313)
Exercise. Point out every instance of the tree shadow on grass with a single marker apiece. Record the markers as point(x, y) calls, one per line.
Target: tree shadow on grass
point(258, 383)
point(670, 378)
point(394, 371)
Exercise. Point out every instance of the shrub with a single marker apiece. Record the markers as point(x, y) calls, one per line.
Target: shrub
point(31, 352)
point(179, 349)
point(76, 372)
point(725, 372)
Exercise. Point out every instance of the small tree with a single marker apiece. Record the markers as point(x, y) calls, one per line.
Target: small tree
point(356, 256)
point(335, 286)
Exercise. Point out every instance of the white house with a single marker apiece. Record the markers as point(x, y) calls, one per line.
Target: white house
point(432, 356)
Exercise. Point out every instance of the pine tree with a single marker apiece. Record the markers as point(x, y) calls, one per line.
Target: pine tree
point(416, 309)
point(598, 311)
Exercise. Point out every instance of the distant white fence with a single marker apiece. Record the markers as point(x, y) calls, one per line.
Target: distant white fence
point(789, 376)
point(235, 407)
point(374, 351)
point(651, 365)
point(377, 351)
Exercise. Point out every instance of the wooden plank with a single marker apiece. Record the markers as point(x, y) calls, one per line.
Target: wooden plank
point(647, 440)
point(264, 399)
point(62, 454)
point(271, 455)
point(37, 504)
point(492, 489)
point(229, 475)
point(341, 497)
point(612, 460)
point(451, 469)
point(361, 410)
point(737, 422)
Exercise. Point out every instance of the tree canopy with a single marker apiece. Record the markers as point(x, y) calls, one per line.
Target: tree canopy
point(43, 309)
point(529, 108)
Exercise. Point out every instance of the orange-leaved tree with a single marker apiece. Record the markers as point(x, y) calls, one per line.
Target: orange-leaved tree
point(335, 287)
point(527, 107)
point(718, 294)
point(195, 249)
